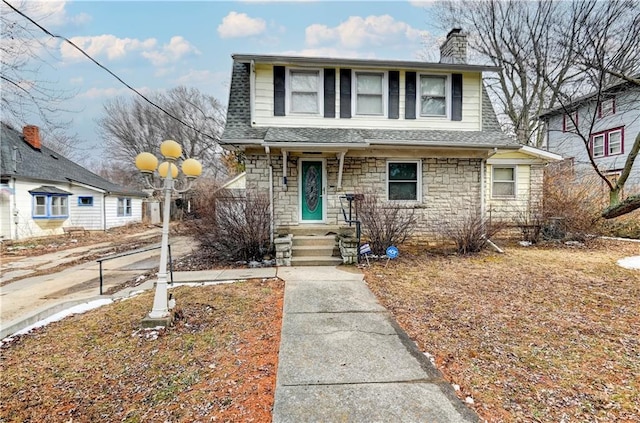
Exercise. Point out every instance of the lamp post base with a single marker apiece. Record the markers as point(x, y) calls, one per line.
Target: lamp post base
point(153, 322)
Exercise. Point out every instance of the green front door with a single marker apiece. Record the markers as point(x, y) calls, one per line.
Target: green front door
point(311, 191)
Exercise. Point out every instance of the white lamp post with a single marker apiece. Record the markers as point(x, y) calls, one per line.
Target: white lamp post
point(147, 163)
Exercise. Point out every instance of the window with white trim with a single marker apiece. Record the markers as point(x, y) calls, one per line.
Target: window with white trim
point(608, 143)
point(305, 91)
point(370, 93)
point(503, 181)
point(570, 122)
point(46, 206)
point(433, 95)
point(404, 180)
point(124, 206)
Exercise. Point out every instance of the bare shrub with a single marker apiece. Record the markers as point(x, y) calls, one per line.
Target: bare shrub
point(384, 224)
point(235, 227)
point(470, 232)
point(571, 206)
point(530, 222)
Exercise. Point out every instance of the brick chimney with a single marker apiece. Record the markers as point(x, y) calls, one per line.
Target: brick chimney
point(454, 49)
point(31, 135)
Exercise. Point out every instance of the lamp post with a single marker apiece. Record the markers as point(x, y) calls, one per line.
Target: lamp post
point(147, 163)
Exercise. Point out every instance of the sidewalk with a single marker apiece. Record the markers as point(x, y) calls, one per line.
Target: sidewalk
point(344, 358)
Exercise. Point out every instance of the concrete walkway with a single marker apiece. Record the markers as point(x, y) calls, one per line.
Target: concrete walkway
point(344, 359)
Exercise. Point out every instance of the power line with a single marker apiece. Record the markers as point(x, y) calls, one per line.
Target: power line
point(65, 39)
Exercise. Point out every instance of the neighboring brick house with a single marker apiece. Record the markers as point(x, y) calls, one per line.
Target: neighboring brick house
point(43, 192)
point(421, 135)
point(609, 125)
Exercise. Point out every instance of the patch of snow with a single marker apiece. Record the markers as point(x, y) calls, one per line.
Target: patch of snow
point(141, 278)
point(431, 358)
point(456, 387)
point(525, 243)
point(77, 309)
point(632, 262)
point(469, 400)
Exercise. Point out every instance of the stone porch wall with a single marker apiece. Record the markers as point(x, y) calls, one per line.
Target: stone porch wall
point(450, 188)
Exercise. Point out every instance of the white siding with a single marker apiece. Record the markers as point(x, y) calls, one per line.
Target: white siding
point(111, 208)
point(471, 109)
point(88, 217)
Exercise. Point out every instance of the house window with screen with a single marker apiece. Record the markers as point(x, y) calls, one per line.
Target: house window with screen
point(124, 206)
point(46, 206)
point(433, 95)
point(85, 201)
point(607, 107)
point(304, 92)
point(504, 181)
point(369, 93)
point(403, 180)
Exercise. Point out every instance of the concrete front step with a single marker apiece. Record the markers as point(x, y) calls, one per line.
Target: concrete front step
point(315, 261)
point(312, 250)
point(313, 241)
point(316, 230)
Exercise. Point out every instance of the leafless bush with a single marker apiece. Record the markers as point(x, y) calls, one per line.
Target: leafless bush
point(470, 231)
point(530, 222)
point(384, 224)
point(235, 227)
point(571, 206)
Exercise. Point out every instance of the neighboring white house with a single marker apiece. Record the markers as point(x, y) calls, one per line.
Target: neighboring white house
point(610, 124)
point(41, 191)
point(417, 134)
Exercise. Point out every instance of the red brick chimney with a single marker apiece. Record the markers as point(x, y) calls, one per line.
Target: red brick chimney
point(31, 135)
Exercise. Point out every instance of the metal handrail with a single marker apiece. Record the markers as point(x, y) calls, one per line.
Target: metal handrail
point(351, 198)
point(132, 252)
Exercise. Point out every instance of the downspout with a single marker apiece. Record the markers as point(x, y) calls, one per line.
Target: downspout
point(252, 85)
point(104, 211)
point(483, 208)
point(267, 150)
point(14, 212)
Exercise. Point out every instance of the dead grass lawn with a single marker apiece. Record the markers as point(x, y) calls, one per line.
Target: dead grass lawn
point(218, 363)
point(537, 334)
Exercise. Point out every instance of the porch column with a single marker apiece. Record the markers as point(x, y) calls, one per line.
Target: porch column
point(340, 167)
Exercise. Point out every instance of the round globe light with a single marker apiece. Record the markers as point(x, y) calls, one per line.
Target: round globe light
point(146, 162)
point(170, 149)
point(192, 168)
point(164, 168)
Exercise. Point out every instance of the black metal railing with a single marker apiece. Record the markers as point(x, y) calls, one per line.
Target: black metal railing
point(349, 217)
point(132, 252)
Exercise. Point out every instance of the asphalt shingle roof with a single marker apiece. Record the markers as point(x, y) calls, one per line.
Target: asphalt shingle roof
point(47, 165)
point(238, 126)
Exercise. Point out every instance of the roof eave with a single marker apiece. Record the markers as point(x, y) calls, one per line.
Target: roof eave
point(323, 61)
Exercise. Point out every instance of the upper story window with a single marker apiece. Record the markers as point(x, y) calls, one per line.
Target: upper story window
point(607, 107)
point(304, 91)
point(608, 143)
point(504, 181)
point(48, 206)
point(124, 206)
point(433, 95)
point(369, 93)
point(570, 122)
point(403, 180)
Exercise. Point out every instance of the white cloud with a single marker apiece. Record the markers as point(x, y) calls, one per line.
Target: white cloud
point(236, 25)
point(102, 93)
point(357, 32)
point(53, 13)
point(329, 52)
point(105, 45)
point(177, 48)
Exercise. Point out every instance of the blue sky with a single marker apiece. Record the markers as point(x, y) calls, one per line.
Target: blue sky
point(157, 45)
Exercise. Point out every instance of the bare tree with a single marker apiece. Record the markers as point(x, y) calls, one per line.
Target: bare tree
point(195, 120)
point(26, 95)
point(552, 52)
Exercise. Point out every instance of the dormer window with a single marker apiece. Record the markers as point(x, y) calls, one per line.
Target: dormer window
point(304, 91)
point(369, 93)
point(607, 107)
point(433, 95)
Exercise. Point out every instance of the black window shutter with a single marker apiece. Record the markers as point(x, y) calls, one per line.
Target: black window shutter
point(394, 94)
point(278, 90)
point(410, 95)
point(329, 93)
point(456, 96)
point(345, 93)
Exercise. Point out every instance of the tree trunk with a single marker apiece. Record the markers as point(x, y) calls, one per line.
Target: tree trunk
point(627, 206)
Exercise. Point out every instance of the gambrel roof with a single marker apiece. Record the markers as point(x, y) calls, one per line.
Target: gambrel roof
point(238, 129)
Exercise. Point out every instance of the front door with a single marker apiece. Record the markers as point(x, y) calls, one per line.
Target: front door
point(311, 190)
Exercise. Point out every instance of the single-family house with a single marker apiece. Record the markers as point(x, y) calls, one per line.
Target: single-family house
point(43, 192)
point(420, 135)
point(609, 121)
